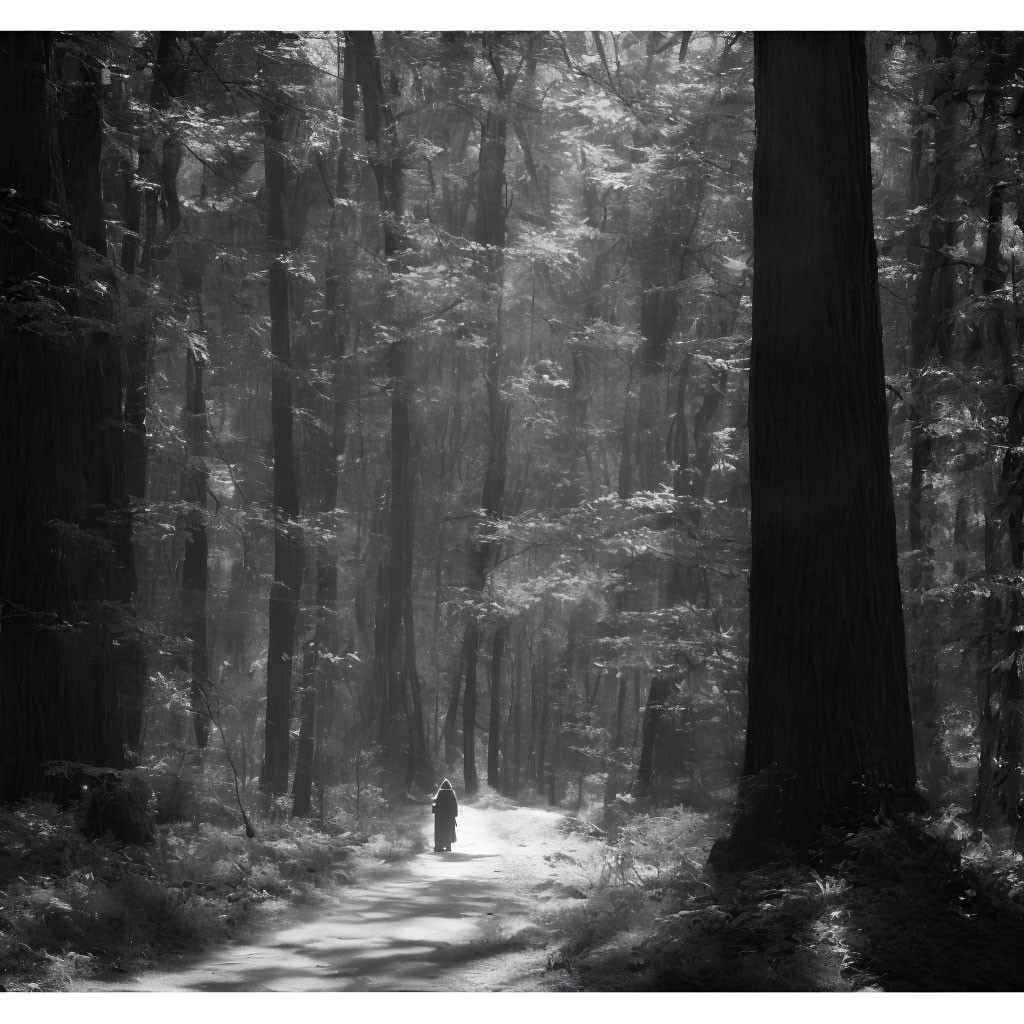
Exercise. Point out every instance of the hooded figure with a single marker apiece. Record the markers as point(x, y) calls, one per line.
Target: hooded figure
point(446, 809)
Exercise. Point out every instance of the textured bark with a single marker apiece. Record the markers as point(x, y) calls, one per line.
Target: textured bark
point(65, 570)
point(81, 144)
point(828, 705)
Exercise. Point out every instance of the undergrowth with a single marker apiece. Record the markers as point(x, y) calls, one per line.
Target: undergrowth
point(643, 858)
point(909, 905)
point(74, 905)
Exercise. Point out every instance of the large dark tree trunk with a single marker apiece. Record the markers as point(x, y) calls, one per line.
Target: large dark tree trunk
point(66, 574)
point(829, 711)
point(80, 140)
point(288, 540)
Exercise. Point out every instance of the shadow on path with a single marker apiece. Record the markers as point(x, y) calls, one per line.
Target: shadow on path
point(410, 926)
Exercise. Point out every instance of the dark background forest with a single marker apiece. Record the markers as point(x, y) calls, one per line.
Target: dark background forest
point(377, 407)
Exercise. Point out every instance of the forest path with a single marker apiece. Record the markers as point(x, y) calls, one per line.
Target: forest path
point(469, 920)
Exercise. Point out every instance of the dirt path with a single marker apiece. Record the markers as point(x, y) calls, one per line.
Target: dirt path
point(469, 920)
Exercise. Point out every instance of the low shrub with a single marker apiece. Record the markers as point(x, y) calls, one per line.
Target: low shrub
point(72, 902)
point(909, 904)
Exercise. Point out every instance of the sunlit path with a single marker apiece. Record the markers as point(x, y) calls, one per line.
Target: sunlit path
point(471, 919)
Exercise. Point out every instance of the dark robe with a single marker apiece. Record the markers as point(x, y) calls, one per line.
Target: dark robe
point(446, 810)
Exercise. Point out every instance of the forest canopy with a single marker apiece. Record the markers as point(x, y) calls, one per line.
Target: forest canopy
point(378, 401)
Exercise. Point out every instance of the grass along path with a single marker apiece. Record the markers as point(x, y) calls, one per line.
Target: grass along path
point(469, 920)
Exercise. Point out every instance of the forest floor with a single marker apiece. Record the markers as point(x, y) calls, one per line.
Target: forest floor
point(475, 919)
point(530, 899)
point(910, 905)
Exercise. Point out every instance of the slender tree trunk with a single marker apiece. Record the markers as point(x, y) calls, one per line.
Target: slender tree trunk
point(660, 692)
point(381, 131)
point(931, 329)
point(286, 590)
point(1001, 727)
point(471, 644)
point(625, 482)
point(491, 233)
point(618, 734)
point(658, 313)
point(543, 718)
point(195, 485)
point(517, 727)
point(494, 720)
point(420, 771)
point(556, 761)
point(451, 716)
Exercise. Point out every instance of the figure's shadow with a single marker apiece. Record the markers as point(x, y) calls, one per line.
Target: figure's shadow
point(455, 855)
